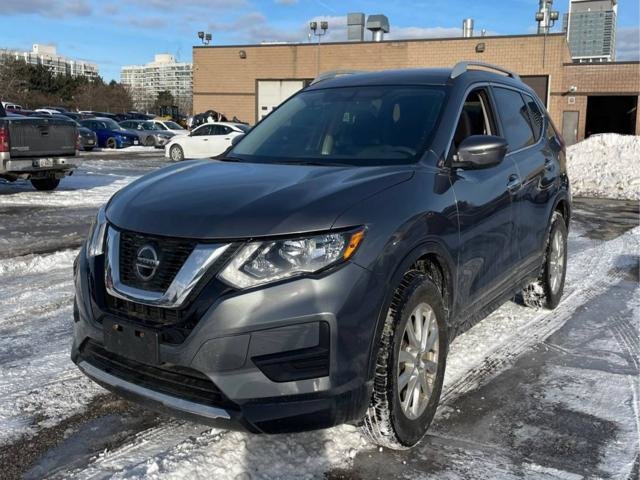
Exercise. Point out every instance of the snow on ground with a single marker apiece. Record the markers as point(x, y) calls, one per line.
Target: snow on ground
point(80, 189)
point(38, 382)
point(606, 165)
point(176, 450)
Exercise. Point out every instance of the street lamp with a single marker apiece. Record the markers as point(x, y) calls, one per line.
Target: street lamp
point(318, 32)
point(546, 19)
point(205, 38)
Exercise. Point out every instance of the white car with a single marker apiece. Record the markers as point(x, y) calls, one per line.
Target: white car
point(169, 126)
point(206, 141)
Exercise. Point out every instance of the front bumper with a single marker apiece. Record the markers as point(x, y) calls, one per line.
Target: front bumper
point(251, 346)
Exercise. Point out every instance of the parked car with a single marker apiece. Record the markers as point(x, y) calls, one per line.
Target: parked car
point(47, 111)
point(149, 135)
point(41, 150)
point(170, 126)
point(206, 141)
point(109, 133)
point(318, 272)
point(88, 138)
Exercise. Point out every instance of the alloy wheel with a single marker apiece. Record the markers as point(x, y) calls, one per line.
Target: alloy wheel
point(556, 261)
point(418, 361)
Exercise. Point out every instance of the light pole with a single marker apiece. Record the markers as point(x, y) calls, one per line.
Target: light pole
point(546, 19)
point(313, 26)
point(205, 38)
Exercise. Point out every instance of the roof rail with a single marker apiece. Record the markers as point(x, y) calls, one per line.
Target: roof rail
point(334, 74)
point(462, 67)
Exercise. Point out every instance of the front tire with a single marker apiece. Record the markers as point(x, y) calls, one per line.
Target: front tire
point(410, 365)
point(149, 142)
point(176, 153)
point(45, 184)
point(111, 143)
point(547, 290)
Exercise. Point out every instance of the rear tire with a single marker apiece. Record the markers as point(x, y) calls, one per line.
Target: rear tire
point(408, 374)
point(546, 291)
point(45, 184)
point(88, 149)
point(176, 153)
point(111, 143)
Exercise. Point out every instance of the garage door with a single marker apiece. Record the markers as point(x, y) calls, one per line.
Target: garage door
point(272, 93)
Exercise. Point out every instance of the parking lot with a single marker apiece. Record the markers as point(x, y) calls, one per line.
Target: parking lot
point(527, 393)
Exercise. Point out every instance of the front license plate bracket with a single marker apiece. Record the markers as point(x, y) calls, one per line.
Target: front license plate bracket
point(131, 341)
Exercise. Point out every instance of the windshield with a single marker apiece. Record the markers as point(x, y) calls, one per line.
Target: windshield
point(146, 126)
point(109, 124)
point(173, 126)
point(352, 125)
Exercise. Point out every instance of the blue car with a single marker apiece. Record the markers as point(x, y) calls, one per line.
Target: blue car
point(110, 134)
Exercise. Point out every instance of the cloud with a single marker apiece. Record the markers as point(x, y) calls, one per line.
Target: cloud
point(48, 8)
point(148, 22)
point(628, 43)
point(286, 2)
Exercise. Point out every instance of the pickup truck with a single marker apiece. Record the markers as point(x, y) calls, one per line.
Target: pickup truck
point(42, 150)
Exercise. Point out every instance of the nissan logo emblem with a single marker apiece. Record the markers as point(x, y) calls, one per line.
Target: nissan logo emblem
point(146, 263)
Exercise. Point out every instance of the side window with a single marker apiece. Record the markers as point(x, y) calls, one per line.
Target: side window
point(475, 119)
point(536, 115)
point(160, 126)
point(515, 118)
point(217, 130)
point(202, 131)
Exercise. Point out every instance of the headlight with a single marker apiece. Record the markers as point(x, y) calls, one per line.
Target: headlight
point(95, 241)
point(258, 263)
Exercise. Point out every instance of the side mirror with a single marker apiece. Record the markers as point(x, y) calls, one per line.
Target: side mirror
point(236, 139)
point(480, 151)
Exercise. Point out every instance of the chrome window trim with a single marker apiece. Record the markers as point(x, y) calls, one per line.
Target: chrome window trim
point(189, 275)
point(163, 398)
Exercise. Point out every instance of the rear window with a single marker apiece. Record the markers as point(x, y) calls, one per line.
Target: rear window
point(536, 116)
point(514, 117)
point(350, 125)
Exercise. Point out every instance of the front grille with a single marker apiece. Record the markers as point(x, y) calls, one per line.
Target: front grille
point(172, 253)
point(180, 382)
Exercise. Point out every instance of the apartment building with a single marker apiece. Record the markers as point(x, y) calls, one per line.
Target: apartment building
point(163, 74)
point(46, 55)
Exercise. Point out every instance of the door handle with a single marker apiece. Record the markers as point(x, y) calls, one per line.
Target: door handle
point(227, 138)
point(514, 183)
point(205, 139)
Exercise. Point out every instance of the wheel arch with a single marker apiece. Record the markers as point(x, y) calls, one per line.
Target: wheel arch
point(431, 258)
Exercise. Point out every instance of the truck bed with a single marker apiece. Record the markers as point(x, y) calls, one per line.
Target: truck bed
point(40, 137)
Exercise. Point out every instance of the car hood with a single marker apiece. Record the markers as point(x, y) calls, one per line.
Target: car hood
point(221, 200)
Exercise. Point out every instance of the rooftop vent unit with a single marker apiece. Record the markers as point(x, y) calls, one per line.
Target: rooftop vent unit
point(378, 25)
point(467, 27)
point(355, 27)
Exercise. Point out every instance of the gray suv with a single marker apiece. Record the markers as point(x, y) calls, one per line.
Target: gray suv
point(317, 272)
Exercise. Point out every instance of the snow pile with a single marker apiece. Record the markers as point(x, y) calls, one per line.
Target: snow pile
point(606, 165)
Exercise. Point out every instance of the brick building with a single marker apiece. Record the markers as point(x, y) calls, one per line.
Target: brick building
point(247, 81)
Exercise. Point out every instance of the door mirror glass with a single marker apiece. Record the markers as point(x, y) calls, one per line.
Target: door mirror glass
point(480, 151)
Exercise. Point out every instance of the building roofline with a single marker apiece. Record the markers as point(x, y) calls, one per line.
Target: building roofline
point(404, 40)
point(603, 64)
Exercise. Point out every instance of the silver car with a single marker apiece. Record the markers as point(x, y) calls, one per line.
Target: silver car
point(146, 130)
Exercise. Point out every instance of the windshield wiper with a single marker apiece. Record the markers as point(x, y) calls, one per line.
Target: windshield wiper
point(229, 159)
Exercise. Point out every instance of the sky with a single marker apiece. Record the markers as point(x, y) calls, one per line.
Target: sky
point(113, 33)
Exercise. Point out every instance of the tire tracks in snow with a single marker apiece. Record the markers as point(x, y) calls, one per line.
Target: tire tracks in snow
point(545, 323)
